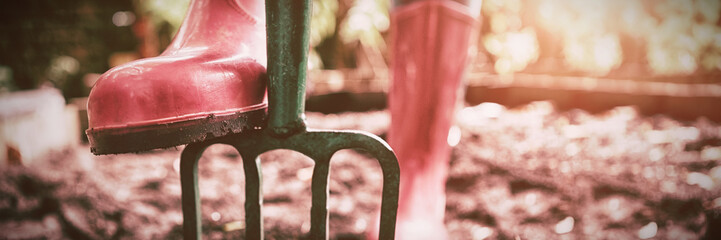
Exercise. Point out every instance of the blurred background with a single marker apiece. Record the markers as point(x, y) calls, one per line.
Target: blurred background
point(620, 98)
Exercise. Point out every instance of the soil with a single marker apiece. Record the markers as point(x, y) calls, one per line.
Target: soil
point(531, 172)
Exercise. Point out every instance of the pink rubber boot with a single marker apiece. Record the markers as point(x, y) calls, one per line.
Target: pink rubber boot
point(209, 82)
point(430, 44)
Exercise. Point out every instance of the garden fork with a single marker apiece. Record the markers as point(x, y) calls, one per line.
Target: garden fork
point(288, 32)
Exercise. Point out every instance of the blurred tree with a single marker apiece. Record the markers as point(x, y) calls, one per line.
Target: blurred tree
point(58, 42)
point(686, 37)
point(513, 45)
point(675, 37)
point(361, 21)
point(340, 27)
point(323, 26)
point(590, 41)
point(166, 16)
point(365, 22)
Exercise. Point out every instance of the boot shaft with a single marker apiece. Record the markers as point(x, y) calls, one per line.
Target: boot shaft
point(231, 26)
point(430, 42)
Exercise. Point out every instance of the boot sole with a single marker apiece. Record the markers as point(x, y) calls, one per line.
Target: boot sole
point(169, 134)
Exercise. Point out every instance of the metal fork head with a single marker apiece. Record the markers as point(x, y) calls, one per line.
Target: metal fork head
point(319, 145)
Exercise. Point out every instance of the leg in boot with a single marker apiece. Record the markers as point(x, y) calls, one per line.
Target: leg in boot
point(430, 42)
point(209, 82)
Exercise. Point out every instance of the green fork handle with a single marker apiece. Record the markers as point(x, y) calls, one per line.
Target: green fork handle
point(288, 30)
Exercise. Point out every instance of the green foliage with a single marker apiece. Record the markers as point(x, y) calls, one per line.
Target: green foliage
point(513, 45)
point(680, 36)
point(323, 20)
point(686, 38)
point(365, 21)
point(323, 24)
point(165, 11)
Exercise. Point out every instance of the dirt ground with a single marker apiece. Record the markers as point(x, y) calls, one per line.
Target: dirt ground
point(526, 173)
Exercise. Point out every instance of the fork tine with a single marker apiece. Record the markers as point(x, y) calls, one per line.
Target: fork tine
point(389, 165)
point(253, 196)
point(189, 187)
point(319, 209)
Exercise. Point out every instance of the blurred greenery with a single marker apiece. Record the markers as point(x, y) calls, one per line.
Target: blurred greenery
point(679, 36)
point(323, 25)
point(165, 15)
point(165, 11)
point(59, 42)
point(48, 42)
point(513, 45)
point(363, 22)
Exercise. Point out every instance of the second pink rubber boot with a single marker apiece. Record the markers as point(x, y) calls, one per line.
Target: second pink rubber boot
point(209, 82)
point(430, 43)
